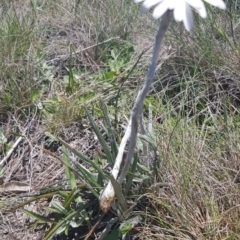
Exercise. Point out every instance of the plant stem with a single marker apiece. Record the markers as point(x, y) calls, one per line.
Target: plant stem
point(138, 105)
point(108, 194)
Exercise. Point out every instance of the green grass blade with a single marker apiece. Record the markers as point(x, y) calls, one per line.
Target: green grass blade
point(69, 200)
point(110, 132)
point(55, 227)
point(108, 229)
point(89, 179)
point(103, 143)
point(119, 195)
point(113, 235)
point(69, 173)
point(59, 207)
point(131, 175)
point(37, 216)
point(83, 158)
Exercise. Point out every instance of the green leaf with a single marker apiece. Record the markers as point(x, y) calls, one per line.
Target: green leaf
point(108, 229)
point(52, 137)
point(71, 81)
point(89, 179)
point(41, 218)
point(126, 226)
point(58, 207)
point(119, 195)
point(110, 132)
point(109, 75)
point(132, 170)
point(3, 139)
point(69, 200)
point(61, 229)
point(114, 235)
point(76, 223)
point(83, 158)
point(104, 145)
point(35, 94)
point(63, 194)
point(149, 140)
point(66, 229)
point(55, 227)
point(144, 168)
point(69, 173)
point(99, 180)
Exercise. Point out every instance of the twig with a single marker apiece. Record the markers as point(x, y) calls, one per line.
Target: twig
point(94, 227)
point(163, 25)
point(11, 150)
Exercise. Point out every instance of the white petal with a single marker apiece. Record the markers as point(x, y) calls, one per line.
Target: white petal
point(182, 8)
point(217, 3)
point(179, 11)
point(173, 4)
point(202, 12)
point(188, 20)
point(160, 9)
point(148, 4)
point(199, 6)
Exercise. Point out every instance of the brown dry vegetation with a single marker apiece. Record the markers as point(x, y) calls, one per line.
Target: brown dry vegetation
point(194, 99)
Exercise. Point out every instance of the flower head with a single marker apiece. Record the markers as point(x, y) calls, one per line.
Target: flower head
point(181, 9)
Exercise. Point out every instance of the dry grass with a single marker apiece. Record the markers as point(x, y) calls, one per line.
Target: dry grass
point(201, 167)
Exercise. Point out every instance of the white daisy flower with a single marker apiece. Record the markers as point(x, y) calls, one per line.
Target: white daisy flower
point(181, 9)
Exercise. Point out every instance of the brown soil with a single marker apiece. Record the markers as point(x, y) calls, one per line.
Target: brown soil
point(31, 166)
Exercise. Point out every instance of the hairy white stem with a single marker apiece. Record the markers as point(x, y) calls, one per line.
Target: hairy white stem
point(108, 194)
point(138, 105)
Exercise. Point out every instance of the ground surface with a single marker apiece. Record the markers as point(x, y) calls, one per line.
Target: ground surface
point(195, 102)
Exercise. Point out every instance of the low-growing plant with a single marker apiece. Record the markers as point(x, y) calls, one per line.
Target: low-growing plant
point(19, 61)
point(77, 205)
